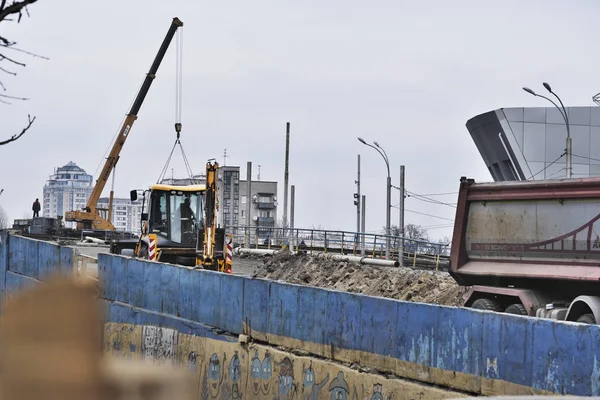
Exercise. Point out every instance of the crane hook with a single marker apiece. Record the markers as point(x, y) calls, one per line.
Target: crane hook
point(178, 128)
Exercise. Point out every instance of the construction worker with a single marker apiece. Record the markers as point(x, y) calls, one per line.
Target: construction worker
point(36, 208)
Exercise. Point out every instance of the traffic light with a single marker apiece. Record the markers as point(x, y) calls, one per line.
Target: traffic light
point(356, 199)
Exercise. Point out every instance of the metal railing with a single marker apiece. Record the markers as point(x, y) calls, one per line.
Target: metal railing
point(343, 242)
point(84, 266)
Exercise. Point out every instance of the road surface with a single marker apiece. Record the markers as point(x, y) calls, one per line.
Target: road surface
point(241, 266)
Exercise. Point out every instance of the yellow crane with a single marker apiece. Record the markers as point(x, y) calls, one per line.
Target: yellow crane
point(91, 217)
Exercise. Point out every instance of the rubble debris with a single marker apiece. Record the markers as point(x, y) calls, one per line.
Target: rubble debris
point(406, 284)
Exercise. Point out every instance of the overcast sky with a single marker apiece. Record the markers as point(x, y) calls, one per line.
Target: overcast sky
point(407, 74)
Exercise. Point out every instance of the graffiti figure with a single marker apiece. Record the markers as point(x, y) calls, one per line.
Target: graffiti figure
point(310, 389)
point(266, 374)
point(235, 374)
point(255, 374)
point(339, 387)
point(377, 392)
point(285, 380)
point(215, 374)
point(192, 361)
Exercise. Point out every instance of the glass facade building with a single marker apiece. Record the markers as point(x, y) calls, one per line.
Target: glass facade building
point(530, 143)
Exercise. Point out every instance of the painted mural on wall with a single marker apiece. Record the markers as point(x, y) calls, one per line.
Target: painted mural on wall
point(229, 371)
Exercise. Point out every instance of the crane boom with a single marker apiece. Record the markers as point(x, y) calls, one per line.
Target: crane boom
point(90, 218)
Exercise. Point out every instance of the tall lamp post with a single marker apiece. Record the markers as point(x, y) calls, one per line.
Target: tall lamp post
point(563, 113)
point(388, 191)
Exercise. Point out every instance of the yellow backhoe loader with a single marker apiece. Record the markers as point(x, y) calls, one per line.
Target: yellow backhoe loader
point(180, 226)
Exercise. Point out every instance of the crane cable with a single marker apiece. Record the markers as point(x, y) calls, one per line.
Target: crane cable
point(178, 101)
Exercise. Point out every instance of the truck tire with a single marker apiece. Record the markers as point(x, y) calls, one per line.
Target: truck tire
point(587, 319)
point(487, 304)
point(517, 309)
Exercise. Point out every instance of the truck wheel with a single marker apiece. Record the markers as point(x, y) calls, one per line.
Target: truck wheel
point(587, 319)
point(487, 304)
point(517, 309)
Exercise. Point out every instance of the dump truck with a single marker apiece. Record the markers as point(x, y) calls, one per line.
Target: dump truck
point(529, 247)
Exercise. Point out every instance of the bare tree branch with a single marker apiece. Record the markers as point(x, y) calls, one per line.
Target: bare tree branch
point(13, 97)
point(15, 8)
point(3, 57)
point(15, 137)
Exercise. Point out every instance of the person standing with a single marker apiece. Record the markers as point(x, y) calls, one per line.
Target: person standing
point(36, 208)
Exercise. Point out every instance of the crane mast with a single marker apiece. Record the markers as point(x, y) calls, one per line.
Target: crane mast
point(90, 218)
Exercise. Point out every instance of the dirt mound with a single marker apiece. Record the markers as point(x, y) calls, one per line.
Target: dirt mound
point(396, 283)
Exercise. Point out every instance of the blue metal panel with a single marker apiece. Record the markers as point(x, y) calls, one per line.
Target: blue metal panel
point(135, 282)
point(343, 322)
point(32, 258)
point(417, 332)
point(66, 260)
point(563, 357)
point(312, 315)
point(232, 294)
point(152, 286)
point(169, 293)
point(378, 325)
point(458, 340)
point(16, 282)
point(4, 238)
point(120, 313)
point(190, 293)
point(13, 282)
point(283, 310)
point(118, 289)
point(105, 267)
point(17, 255)
point(210, 299)
point(49, 260)
point(507, 348)
point(256, 304)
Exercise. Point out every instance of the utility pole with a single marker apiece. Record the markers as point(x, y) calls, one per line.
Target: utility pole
point(286, 176)
point(357, 197)
point(258, 176)
point(224, 157)
point(401, 219)
point(292, 195)
point(364, 208)
point(248, 202)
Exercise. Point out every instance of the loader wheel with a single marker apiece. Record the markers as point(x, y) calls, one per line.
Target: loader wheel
point(587, 319)
point(517, 309)
point(143, 251)
point(487, 304)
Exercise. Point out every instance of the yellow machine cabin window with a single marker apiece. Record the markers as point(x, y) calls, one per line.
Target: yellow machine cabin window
point(186, 216)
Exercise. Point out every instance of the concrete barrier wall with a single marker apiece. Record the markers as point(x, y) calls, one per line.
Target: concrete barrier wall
point(468, 350)
point(25, 262)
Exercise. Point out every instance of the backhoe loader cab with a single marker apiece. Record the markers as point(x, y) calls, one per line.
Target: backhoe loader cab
point(175, 214)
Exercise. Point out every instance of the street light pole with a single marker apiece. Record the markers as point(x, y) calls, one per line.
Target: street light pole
point(388, 194)
point(563, 113)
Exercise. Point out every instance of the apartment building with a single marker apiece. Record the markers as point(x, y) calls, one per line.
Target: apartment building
point(233, 197)
point(68, 188)
point(263, 207)
point(126, 215)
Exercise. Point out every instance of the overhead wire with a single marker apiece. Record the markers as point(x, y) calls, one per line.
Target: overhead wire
point(548, 166)
point(428, 215)
point(178, 110)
